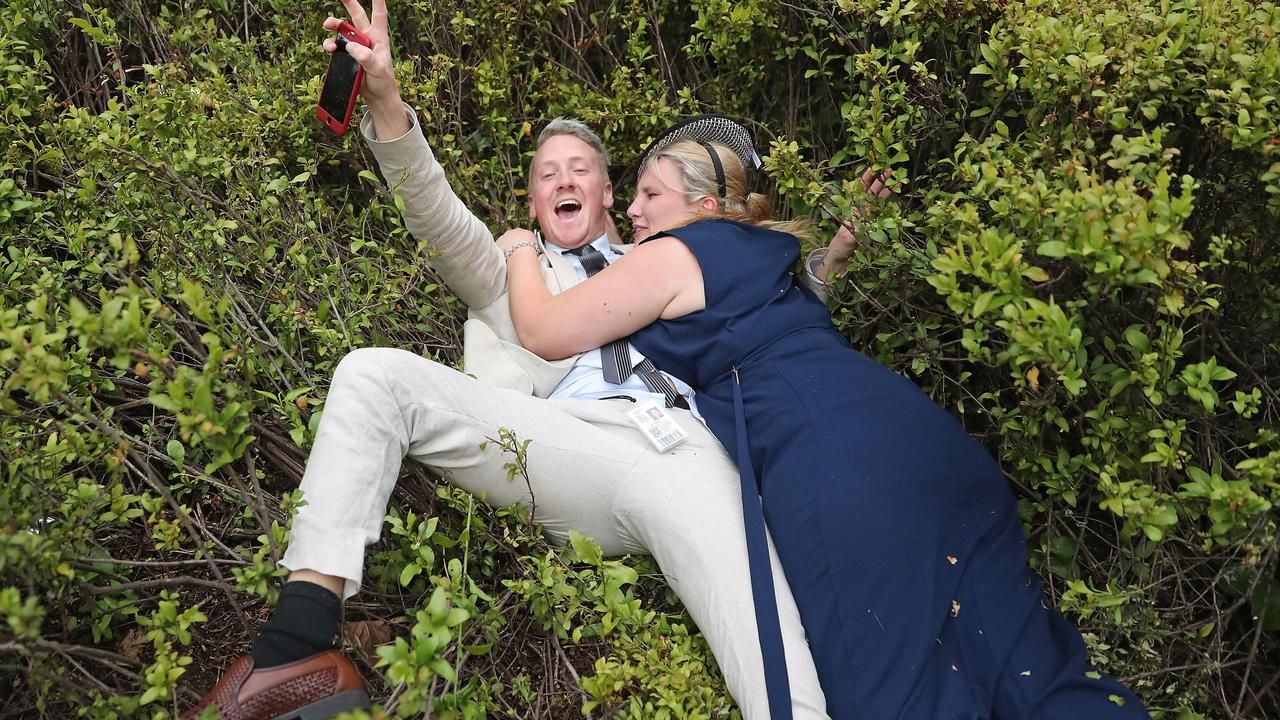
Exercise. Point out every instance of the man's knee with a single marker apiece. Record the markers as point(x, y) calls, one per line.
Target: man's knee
point(365, 362)
point(363, 369)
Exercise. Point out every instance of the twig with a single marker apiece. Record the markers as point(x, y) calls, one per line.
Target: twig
point(89, 561)
point(160, 583)
point(577, 681)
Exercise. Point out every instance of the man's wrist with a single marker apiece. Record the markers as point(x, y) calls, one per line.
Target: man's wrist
point(390, 118)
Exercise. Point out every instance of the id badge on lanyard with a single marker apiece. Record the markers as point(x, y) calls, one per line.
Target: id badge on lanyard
point(656, 424)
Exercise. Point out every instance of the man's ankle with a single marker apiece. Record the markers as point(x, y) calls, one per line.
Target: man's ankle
point(332, 583)
point(305, 622)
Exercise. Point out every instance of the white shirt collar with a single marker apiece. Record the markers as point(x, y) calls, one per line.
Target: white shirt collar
point(601, 244)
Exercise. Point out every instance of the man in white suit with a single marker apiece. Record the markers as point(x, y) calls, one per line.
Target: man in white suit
point(589, 467)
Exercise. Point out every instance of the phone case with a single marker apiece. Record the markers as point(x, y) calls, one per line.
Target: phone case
point(340, 125)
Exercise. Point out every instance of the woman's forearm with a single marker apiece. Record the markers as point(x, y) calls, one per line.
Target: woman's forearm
point(527, 297)
point(632, 293)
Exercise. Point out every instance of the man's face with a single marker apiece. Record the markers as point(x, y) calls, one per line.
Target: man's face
point(570, 192)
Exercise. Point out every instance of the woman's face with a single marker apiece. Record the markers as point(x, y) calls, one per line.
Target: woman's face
point(660, 205)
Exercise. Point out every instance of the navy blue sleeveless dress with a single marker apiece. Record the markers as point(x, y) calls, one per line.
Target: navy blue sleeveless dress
point(897, 531)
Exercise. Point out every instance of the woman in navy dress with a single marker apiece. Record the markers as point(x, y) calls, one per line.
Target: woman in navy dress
point(897, 532)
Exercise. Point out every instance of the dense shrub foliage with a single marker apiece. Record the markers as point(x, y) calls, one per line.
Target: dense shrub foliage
point(1080, 262)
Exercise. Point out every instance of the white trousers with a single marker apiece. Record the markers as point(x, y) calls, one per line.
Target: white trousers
point(591, 471)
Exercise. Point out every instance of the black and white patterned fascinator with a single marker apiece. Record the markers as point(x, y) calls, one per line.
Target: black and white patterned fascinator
point(704, 130)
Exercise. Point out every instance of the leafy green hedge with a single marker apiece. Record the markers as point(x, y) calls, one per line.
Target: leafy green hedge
point(1081, 263)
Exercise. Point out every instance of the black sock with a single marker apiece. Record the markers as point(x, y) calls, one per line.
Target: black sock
point(304, 623)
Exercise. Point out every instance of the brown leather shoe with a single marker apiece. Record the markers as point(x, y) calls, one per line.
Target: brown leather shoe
point(313, 688)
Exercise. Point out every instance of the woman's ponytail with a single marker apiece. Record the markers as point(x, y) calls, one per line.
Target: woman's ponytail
point(759, 209)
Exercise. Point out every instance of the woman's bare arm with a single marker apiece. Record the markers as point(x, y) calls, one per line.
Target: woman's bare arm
point(659, 279)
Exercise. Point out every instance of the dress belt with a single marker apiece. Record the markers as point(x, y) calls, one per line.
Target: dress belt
point(745, 362)
point(763, 596)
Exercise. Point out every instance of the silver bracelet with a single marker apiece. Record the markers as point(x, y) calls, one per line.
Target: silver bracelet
point(506, 254)
point(814, 262)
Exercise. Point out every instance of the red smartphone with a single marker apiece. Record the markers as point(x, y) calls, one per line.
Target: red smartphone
point(341, 82)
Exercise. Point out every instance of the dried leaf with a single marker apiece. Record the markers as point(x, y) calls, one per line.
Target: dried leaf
point(365, 635)
point(134, 643)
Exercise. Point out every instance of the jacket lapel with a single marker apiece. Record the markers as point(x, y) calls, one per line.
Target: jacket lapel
point(563, 275)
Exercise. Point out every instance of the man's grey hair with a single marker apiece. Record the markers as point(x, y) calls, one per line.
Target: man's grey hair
point(578, 129)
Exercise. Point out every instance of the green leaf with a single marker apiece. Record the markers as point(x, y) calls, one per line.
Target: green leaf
point(988, 54)
point(164, 402)
point(176, 452)
point(409, 572)
point(1053, 249)
point(622, 574)
point(151, 695)
point(1035, 273)
point(456, 617)
point(584, 548)
point(983, 302)
point(1136, 338)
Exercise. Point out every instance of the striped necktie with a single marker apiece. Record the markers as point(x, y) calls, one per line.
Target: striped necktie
point(615, 358)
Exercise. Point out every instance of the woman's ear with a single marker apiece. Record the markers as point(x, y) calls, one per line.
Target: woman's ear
point(709, 203)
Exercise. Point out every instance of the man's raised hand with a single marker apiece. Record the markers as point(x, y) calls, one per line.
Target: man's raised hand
point(379, 88)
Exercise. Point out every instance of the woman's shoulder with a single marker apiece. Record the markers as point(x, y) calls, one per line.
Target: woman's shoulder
point(722, 224)
point(718, 225)
point(720, 235)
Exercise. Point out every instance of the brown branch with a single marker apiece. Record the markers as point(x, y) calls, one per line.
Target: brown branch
point(169, 582)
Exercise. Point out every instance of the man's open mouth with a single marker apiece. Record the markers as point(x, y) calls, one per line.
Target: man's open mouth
point(568, 209)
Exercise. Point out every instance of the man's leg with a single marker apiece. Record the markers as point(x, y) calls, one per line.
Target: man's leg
point(386, 404)
point(684, 508)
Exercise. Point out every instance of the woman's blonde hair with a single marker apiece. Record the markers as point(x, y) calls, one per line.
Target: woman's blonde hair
point(698, 176)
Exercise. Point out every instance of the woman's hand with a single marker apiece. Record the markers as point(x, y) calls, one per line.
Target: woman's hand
point(843, 243)
point(510, 238)
point(846, 240)
point(379, 86)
